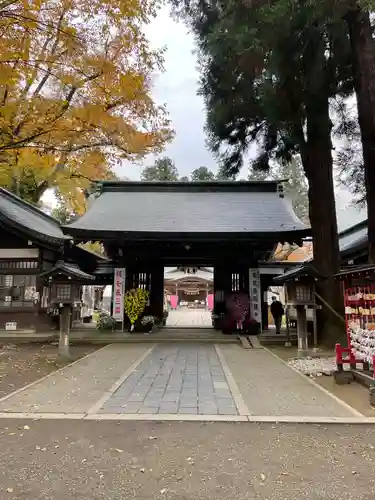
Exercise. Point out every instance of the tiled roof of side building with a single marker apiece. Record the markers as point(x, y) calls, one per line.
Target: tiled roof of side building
point(353, 238)
point(202, 207)
point(68, 269)
point(30, 219)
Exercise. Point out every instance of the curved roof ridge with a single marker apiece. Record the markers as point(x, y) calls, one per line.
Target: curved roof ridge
point(32, 220)
point(29, 205)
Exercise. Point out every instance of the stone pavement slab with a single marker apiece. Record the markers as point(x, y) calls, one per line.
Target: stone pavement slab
point(172, 379)
point(270, 388)
point(78, 386)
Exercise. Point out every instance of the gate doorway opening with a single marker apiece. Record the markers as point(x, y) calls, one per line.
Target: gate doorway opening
point(188, 297)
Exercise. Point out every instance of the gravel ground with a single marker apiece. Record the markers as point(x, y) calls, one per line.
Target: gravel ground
point(314, 367)
point(353, 394)
point(55, 460)
point(269, 387)
point(77, 387)
point(22, 364)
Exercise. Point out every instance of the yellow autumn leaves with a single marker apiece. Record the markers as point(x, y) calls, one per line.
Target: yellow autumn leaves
point(135, 302)
point(75, 78)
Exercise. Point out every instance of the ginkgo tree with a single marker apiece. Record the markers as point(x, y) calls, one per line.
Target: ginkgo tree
point(75, 79)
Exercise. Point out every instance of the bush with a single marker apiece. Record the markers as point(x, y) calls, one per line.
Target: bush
point(105, 322)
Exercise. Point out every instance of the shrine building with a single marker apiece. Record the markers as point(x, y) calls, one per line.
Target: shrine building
point(229, 226)
point(188, 285)
point(33, 247)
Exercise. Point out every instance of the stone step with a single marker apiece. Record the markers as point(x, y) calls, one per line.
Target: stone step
point(245, 342)
point(152, 338)
point(25, 338)
point(254, 341)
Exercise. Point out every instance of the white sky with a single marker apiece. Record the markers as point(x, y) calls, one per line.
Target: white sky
point(177, 88)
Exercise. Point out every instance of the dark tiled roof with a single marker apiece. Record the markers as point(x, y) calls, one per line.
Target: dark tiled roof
point(68, 269)
point(25, 217)
point(356, 270)
point(104, 268)
point(354, 238)
point(305, 270)
point(206, 207)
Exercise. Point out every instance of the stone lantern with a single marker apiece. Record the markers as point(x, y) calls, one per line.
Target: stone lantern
point(65, 286)
point(299, 285)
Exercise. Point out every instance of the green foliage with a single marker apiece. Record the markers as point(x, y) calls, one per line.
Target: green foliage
point(164, 169)
point(63, 213)
point(261, 66)
point(202, 174)
point(259, 175)
point(105, 322)
point(295, 186)
point(222, 174)
point(349, 156)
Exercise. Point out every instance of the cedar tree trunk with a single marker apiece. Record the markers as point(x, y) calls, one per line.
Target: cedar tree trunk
point(322, 211)
point(363, 50)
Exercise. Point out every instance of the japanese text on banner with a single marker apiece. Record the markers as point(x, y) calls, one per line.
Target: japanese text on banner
point(118, 294)
point(255, 295)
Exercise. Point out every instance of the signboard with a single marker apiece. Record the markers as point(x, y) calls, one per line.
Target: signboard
point(118, 294)
point(11, 325)
point(255, 295)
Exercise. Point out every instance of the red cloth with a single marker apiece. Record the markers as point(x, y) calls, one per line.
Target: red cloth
point(238, 305)
point(174, 301)
point(210, 301)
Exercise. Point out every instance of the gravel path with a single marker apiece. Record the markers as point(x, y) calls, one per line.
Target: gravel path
point(55, 460)
point(269, 387)
point(78, 386)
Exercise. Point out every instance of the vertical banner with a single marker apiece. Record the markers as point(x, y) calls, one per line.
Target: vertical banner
point(118, 294)
point(255, 295)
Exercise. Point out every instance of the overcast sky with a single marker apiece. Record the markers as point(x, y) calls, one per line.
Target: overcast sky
point(177, 88)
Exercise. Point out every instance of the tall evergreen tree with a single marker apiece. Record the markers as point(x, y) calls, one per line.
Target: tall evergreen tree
point(268, 74)
point(202, 174)
point(222, 174)
point(164, 169)
point(296, 187)
point(357, 16)
point(258, 175)
point(295, 184)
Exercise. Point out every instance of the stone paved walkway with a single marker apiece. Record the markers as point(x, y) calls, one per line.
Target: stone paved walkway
point(175, 379)
point(223, 381)
point(184, 317)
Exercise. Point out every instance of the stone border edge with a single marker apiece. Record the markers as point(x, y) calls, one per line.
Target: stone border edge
point(259, 419)
point(107, 394)
point(242, 408)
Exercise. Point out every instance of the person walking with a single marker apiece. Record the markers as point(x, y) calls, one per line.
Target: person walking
point(277, 312)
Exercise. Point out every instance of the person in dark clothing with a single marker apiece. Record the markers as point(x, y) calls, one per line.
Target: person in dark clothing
point(277, 312)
